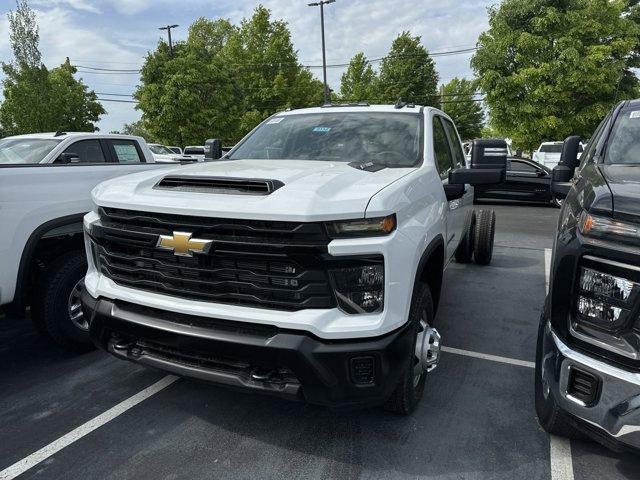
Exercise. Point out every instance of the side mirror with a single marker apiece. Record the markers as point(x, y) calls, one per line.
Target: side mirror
point(489, 153)
point(68, 157)
point(561, 181)
point(569, 155)
point(476, 176)
point(454, 191)
point(212, 149)
point(541, 173)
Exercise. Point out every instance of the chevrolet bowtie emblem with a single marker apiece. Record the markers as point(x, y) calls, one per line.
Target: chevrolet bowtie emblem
point(181, 243)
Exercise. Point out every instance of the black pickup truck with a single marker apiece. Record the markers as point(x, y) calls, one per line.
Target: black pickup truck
point(587, 379)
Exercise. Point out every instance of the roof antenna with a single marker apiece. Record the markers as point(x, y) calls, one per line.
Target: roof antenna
point(60, 133)
point(400, 104)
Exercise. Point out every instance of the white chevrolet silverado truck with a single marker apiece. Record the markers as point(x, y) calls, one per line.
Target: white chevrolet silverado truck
point(306, 263)
point(45, 185)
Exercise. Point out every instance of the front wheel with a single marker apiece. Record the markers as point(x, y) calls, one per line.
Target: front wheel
point(410, 388)
point(556, 202)
point(56, 310)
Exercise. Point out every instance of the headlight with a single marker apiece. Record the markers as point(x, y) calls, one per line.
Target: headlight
point(365, 227)
point(360, 289)
point(605, 300)
point(605, 228)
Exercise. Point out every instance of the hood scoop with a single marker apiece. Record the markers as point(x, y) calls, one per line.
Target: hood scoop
point(224, 185)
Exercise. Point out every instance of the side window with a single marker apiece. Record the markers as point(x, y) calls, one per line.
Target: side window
point(126, 151)
point(441, 149)
point(518, 166)
point(590, 150)
point(88, 151)
point(454, 142)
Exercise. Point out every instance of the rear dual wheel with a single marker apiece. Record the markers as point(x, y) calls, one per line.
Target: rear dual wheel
point(484, 236)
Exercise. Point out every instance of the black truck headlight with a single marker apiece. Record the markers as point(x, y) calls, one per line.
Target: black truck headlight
point(360, 288)
point(604, 300)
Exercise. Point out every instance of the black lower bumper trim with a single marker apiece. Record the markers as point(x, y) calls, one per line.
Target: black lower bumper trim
point(287, 363)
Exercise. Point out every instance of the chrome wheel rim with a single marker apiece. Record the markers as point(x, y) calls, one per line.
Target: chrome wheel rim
point(75, 309)
point(427, 350)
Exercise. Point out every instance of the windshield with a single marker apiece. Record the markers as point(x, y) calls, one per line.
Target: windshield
point(160, 150)
point(25, 150)
point(194, 151)
point(551, 148)
point(624, 142)
point(392, 139)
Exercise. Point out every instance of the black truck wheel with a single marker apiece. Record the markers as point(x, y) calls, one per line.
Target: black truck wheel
point(551, 418)
point(56, 310)
point(485, 231)
point(410, 388)
point(464, 253)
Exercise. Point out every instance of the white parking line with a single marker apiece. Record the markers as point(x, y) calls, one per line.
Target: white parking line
point(54, 447)
point(486, 356)
point(559, 448)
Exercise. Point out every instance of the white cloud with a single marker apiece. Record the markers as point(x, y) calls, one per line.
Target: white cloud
point(73, 28)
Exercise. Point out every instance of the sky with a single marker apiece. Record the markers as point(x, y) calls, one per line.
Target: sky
point(117, 34)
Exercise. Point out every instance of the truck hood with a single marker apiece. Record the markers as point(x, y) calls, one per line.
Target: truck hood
point(624, 182)
point(312, 190)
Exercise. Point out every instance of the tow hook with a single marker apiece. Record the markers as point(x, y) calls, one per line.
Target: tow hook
point(431, 350)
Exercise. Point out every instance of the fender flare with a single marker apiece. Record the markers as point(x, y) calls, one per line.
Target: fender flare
point(20, 295)
point(436, 242)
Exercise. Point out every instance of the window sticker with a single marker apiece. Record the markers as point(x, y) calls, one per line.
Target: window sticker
point(635, 114)
point(322, 129)
point(275, 120)
point(126, 153)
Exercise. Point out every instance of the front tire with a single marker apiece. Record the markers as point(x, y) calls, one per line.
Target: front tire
point(410, 389)
point(56, 310)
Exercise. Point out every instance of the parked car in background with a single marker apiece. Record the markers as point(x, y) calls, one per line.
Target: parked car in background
point(195, 151)
point(45, 185)
point(548, 153)
point(587, 378)
point(526, 181)
point(163, 154)
point(177, 150)
point(307, 263)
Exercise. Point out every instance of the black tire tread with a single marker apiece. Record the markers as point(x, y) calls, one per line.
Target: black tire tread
point(406, 397)
point(464, 252)
point(48, 291)
point(485, 232)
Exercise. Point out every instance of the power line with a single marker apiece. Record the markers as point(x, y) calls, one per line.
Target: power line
point(116, 71)
point(115, 94)
point(115, 100)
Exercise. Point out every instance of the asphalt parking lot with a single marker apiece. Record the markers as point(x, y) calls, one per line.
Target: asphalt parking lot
point(476, 421)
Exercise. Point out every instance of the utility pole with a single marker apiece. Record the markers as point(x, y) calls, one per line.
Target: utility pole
point(321, 4)
point(168, 29)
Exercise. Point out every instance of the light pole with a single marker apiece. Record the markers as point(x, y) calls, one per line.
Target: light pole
point(168, 29)
point(321, 4)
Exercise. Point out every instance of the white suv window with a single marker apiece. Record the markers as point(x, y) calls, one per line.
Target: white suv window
point(126, 151)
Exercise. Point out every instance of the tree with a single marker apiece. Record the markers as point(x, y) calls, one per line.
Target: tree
point(357, 83)
point(459, 102)
point(552, 68)
point(408, 72)
point(24, 35)
point(139, 130)
point(37, 99)
point(223, 80)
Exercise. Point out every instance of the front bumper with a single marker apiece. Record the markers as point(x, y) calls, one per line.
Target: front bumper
point(614, 417)
point(286, 363)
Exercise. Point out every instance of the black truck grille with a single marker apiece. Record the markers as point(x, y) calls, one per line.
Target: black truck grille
point(276, 265)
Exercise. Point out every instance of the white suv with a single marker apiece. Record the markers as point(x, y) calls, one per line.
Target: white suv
point(306, 263)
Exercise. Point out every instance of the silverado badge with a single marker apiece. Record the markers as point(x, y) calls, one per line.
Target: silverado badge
point(181, 243)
